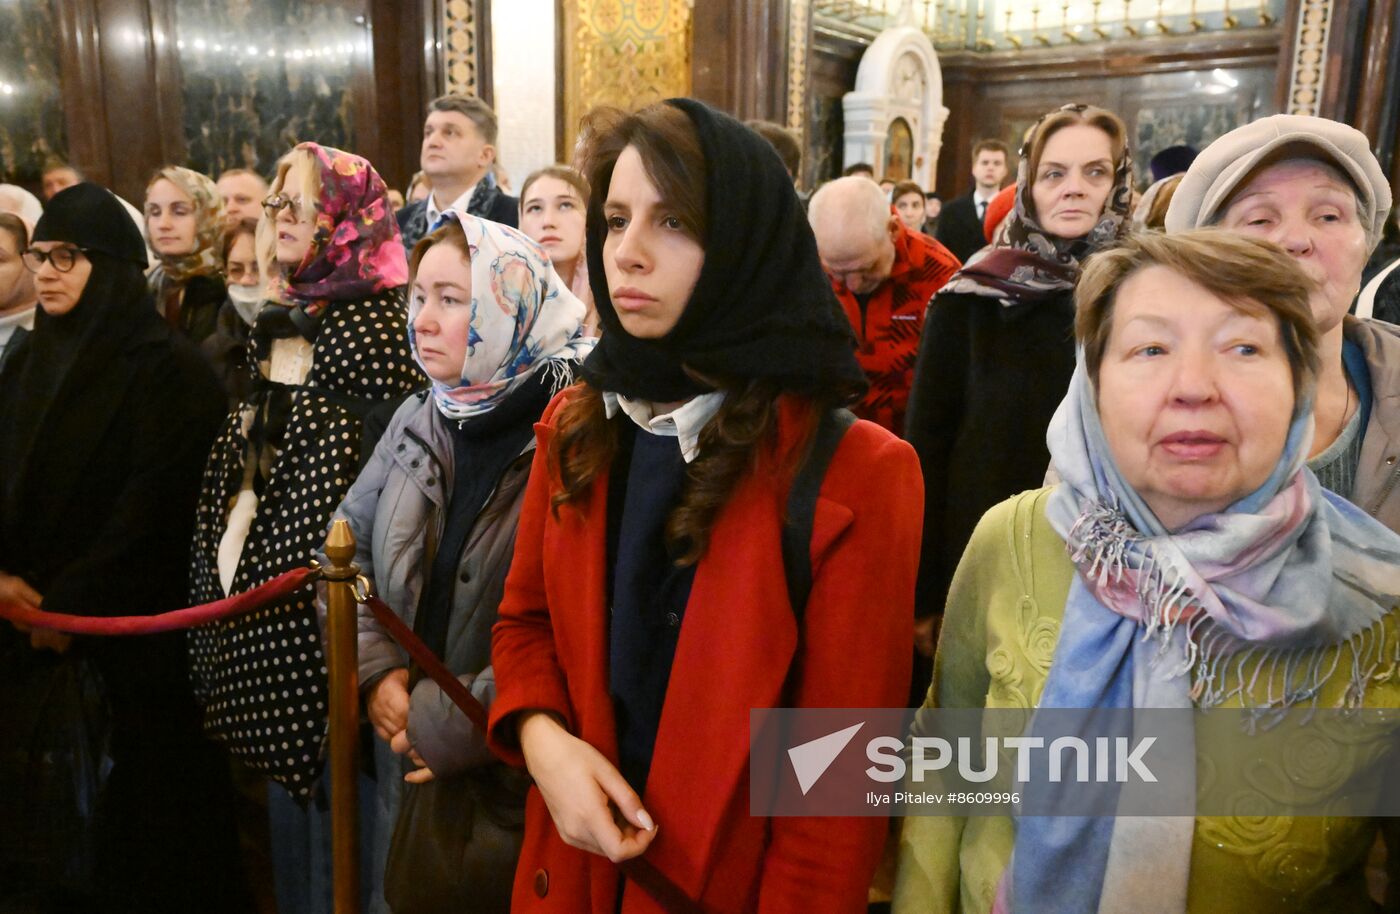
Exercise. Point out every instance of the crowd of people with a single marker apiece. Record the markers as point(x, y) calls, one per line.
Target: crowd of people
point(568, 430)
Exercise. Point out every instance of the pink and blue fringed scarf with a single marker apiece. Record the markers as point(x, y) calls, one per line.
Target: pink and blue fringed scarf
point(1152, 618)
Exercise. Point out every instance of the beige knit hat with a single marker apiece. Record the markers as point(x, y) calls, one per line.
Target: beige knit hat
point(1225, 164)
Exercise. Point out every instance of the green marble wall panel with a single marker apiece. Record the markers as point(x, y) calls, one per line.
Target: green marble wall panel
point(31, 107)
point(259, 77)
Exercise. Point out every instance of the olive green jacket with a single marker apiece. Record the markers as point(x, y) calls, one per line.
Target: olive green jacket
point(997, 644)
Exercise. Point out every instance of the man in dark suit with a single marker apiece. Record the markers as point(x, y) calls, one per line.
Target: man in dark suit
point(960, 223)
point(459, 148)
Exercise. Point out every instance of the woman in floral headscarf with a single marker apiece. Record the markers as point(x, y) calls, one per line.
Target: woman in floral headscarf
point(184, 223)
point(495, 328)
point(998, 344)
point(329, 344)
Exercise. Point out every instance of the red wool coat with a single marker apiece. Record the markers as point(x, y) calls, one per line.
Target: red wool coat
point(894, 322)
point(737, 640)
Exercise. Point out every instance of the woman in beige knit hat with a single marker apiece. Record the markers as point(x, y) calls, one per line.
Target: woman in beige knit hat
point(1313, 187)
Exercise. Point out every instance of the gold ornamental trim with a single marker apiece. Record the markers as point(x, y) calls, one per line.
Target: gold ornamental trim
point(1310, 57)
point(799, 17)
point(460, 56)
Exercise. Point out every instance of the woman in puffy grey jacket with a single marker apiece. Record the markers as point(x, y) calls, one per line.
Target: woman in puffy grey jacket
point(434, 515)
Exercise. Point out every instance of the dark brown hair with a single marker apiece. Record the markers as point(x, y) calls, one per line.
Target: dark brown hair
point(780, 138)
point(1253, 276)
point(666, 140)
point(903, 188)
point(585, 440)
point(990, 145)
point(232, 233)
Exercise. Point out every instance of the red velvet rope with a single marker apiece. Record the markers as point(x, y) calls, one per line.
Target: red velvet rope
point(423, 656)
point(175, 620)
point(640, 870)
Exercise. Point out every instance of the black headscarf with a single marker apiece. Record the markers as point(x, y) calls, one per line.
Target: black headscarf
point(64, 352)
point(762, 307)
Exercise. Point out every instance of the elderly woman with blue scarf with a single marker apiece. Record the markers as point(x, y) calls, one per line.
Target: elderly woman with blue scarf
point(434, 515)
point(1182, 446)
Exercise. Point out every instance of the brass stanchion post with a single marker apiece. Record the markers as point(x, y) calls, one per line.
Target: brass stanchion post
point(343, 668)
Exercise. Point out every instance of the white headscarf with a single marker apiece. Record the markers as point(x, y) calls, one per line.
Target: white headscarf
point(17, 200)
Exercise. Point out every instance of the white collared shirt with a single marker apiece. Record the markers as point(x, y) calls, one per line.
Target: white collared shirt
point(684, 422)
point(460, 205)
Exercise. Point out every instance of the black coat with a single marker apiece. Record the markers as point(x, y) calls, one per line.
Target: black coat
point(100, 524)
point(227, 351)
point(959, 229)
point(360, 358)
point(199, 306)
point(1387, 306)
point(103, 521)
point(986, 384)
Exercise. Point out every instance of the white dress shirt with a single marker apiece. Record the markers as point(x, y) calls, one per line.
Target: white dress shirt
point(683, 423)
point(460, 205)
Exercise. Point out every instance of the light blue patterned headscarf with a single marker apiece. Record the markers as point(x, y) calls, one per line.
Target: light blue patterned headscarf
point(1164, 619)
point(524, 319)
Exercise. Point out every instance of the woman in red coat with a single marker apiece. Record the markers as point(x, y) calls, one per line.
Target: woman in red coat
point(647, 610)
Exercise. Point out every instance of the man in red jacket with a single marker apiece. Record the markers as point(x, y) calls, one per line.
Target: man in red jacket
point(884, 276)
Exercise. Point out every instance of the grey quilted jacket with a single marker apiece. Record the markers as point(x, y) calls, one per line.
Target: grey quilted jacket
point(397, 511)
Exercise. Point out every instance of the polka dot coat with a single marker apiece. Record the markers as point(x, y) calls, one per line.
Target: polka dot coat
point(262, 676)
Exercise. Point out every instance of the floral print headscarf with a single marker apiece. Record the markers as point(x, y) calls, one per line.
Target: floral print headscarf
point(524, 320)
point(205, 259)
point(356, 250)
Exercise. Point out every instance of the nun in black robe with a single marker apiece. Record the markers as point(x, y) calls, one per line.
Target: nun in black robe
point(106, 420)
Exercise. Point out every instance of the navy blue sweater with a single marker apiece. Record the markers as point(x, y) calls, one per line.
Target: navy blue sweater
point(649, 592)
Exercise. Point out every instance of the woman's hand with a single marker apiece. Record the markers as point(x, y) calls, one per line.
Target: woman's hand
point(46, 639)
point(926, 634)
point(402, 746)
point(14, 589)
point(591, 803)
point(387, 705)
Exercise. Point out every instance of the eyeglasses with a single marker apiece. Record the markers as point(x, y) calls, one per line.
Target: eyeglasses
point(62, 258)
point(275, 203)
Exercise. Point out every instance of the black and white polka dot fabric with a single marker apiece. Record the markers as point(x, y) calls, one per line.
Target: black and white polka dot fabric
point(262, 676)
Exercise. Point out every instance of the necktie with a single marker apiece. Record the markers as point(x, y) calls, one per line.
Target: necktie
point(981, 210)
